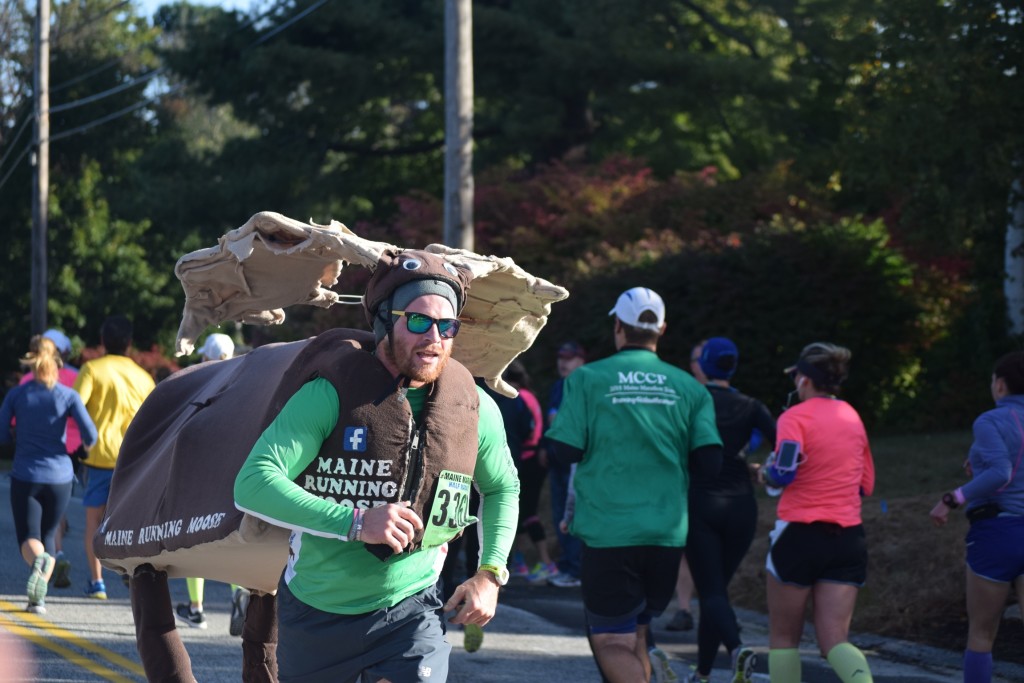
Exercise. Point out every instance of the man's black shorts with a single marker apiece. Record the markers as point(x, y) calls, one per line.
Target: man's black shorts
point(405, 643)
point(623, 584)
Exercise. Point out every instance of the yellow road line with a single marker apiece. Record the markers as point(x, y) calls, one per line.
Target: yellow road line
point(72, 638)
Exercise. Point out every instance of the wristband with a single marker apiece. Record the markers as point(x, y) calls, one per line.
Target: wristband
point(950, 501)
point(356, 531)
point(500, 573)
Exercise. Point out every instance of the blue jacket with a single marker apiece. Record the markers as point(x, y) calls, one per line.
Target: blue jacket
point(39, 453)
point(996, 457)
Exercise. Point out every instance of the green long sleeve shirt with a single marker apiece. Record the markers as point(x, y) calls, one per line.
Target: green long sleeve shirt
point(325, 570)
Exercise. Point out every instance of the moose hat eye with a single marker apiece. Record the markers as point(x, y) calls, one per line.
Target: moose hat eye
point(412, 264)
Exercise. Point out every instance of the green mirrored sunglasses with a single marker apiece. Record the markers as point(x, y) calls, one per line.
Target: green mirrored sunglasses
point(419, 323)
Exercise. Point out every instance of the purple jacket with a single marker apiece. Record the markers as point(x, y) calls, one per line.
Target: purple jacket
point(996, 457)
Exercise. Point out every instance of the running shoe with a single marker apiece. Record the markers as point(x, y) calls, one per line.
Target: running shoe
point(184, 613)
point(518, 567)
point(743, 662)
point(36, 608)
point(62, 572)
point(239, 607)
point(682, 621)
point(42, 566)
point(97, 590)
point(697, 678)
point(472, 637)
point(563, 580)
point(661, 670)
point(542, 572)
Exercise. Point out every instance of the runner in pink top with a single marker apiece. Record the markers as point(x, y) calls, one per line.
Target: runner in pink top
point(835, 464)
point(823, 463)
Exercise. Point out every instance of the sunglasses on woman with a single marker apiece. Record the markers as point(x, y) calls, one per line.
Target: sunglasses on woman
point(419, 323)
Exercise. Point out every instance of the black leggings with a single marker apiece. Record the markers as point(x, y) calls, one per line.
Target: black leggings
point(721, 531)
point(37, 510)
point(531, 483)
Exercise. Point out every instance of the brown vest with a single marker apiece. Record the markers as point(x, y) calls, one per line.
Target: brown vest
point(376, 453)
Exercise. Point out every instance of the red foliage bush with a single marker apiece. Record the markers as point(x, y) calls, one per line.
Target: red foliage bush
point(151, 361)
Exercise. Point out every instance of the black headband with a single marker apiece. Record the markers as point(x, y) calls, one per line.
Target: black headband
point(821, 378)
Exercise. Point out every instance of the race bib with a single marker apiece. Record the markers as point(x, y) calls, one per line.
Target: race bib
point(449, 513)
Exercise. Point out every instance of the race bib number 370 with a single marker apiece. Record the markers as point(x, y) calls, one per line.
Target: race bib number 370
point(449, 513)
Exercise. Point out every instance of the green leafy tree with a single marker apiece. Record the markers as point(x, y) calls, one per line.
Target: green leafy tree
point(348, 106)
point(933, 140)
point(933, 123)
point(101, 117)
point(103, 265)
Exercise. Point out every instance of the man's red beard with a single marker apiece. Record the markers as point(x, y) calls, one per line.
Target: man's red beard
point(406, 364)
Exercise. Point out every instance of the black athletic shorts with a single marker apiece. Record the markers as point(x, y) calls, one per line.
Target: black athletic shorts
point(802, 554)
point(626, 586)
point(405, 643)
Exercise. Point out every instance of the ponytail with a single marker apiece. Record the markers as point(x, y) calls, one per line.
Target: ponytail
point(43, 360)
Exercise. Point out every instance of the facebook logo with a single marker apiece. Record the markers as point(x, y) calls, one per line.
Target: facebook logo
point(355, 439)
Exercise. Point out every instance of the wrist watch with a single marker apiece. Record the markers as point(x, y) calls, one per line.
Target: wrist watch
point(500, 573)
point(949, 500)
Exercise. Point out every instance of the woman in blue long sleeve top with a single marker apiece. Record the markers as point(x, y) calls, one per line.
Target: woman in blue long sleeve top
point(42, 473)
point(994, 498)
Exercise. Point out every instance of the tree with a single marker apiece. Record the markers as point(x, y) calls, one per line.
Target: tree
point(15, 49)
point(348, 99)
point(98, 263)
point(934, 133)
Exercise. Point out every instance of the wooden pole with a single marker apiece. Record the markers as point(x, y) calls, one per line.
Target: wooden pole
point(41, 161)
point(458, 160)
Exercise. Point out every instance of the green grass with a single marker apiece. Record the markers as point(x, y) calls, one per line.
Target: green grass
point(912, 464)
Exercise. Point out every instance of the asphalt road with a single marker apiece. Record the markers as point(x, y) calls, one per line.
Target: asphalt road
point(536, 636)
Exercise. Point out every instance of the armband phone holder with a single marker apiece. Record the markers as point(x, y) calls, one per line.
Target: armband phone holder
point(780, 470)
point(787, 458)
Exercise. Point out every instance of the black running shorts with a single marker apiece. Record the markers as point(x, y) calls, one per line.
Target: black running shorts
point(802, 554)
point(624, 585)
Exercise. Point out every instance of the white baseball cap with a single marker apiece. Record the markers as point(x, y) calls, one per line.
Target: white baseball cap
point(59, 339)
point(218, 347)
point(635, 301)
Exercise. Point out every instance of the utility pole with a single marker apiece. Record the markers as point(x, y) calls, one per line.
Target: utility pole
point(41, 161)
point(458, 129)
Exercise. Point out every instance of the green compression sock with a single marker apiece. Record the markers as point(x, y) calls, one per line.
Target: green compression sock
point(784, 665)
point(850, 664)
point(195, 589)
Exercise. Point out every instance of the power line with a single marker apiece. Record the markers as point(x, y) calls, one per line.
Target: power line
point(304, 13)
point(127, 110)
point(111, 91)
point(112, 116)
point(92, 20)
point(88, 74)
point(259, 17)
point(120, 58)
point(14, 165)
point(28, 119)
